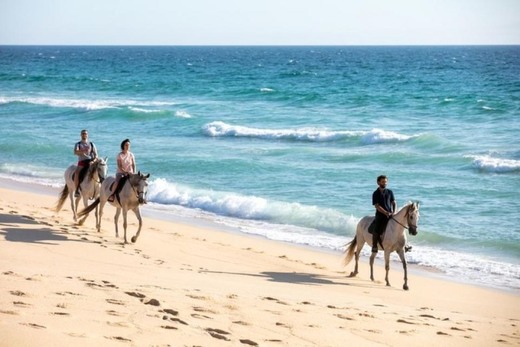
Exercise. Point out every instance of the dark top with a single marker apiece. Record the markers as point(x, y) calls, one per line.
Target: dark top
point(384, 199)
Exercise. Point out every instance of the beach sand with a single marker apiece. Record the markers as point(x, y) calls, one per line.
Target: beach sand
point(185, 285)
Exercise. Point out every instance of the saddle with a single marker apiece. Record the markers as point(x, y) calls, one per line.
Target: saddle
point(372, 230)
point(83, 171)
point(119, 187)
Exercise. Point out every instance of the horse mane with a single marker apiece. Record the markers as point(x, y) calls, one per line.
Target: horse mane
point(92, 169)
point(408, 205)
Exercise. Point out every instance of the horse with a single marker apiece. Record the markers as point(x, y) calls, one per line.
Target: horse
point(394, 239)
point(89, 187)
point(131, 196)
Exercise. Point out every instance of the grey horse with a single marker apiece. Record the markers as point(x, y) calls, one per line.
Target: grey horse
point(394, 239)
point(131, 197)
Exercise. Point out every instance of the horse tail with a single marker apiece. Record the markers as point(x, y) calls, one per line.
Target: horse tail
point(89, 208)
point(349, 252)
point(63, 196)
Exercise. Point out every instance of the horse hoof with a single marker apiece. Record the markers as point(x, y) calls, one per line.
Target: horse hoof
point(352, 274)
point(133, 239)
point(405, 287)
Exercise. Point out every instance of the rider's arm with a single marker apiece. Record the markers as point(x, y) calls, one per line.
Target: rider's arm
point(94, 151)
point(382, 210)
point(76, 150)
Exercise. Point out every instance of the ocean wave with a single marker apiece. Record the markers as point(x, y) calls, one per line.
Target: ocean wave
point(495, 165)
point(221, 129)
point(87, 104)
point(251, 207)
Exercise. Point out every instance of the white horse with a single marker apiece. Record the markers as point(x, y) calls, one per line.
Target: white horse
point(131, 196)
point(394, 239)
point(89, 187)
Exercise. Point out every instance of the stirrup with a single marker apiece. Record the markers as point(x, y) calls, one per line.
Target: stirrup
point(407, 248)
point(76, 194)
point(111, 198)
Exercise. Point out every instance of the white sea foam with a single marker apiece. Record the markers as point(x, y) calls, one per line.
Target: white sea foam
point(182, 114)
point(250, 207)
point(143, 110)
point(221, 129)
point(382, 136)
point(88, 104)
point(467, 267)
point(491, 164)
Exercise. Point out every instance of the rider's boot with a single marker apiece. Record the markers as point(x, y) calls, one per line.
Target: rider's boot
point(375, 241)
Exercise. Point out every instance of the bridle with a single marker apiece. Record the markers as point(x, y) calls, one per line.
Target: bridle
point(406, 215)
point(93, 169)
point(138, 194)
point(101, 179)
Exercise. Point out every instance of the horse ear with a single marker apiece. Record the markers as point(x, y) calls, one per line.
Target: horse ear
point(106, 159)
point(139, 172)
point(147, 176)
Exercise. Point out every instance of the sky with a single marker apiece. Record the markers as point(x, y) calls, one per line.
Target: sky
point(259, 22)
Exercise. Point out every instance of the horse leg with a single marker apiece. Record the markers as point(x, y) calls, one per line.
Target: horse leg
point(138, 215)
point(101, 206)
point(356, 256)
point(387, 267)
point(75, 211)
point(403, 260)
point(125, 214)
point(85, 205)
point(72, 207)
point(116, 219)
point(96, 213)
point(372, 257)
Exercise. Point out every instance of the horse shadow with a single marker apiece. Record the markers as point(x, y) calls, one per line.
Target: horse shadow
point(286, 277)
point(29, 234)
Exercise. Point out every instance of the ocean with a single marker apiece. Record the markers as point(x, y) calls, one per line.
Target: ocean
point(287, 142)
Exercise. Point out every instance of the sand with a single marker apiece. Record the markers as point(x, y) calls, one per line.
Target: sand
point(183, 284)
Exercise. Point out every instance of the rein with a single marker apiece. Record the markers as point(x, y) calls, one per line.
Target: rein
point(93, 170)
point(135, 191)
point(401, 224)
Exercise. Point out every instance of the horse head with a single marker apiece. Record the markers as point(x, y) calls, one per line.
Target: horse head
point(140, 185)
point(101, 168)
point(412, 217)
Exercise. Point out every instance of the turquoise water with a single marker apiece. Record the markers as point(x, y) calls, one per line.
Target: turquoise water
point(287, 142)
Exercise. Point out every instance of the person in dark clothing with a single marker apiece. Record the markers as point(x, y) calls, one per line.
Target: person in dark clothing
point(384, 202)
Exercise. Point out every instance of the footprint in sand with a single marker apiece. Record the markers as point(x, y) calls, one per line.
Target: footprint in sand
point(169, 327)
point(218, 334)
point(136, 295)
point(153, 302)
point(203, 310)
point(119, 338)
point(275, 300)
point(21, 304)
point(17, 293)
point(34, 325)
point(115, 302)
point(342, 316)
point(60, 313)
point(200, 316)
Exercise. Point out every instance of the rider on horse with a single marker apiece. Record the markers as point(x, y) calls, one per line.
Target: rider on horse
point(384, 202)
point(86, 152)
